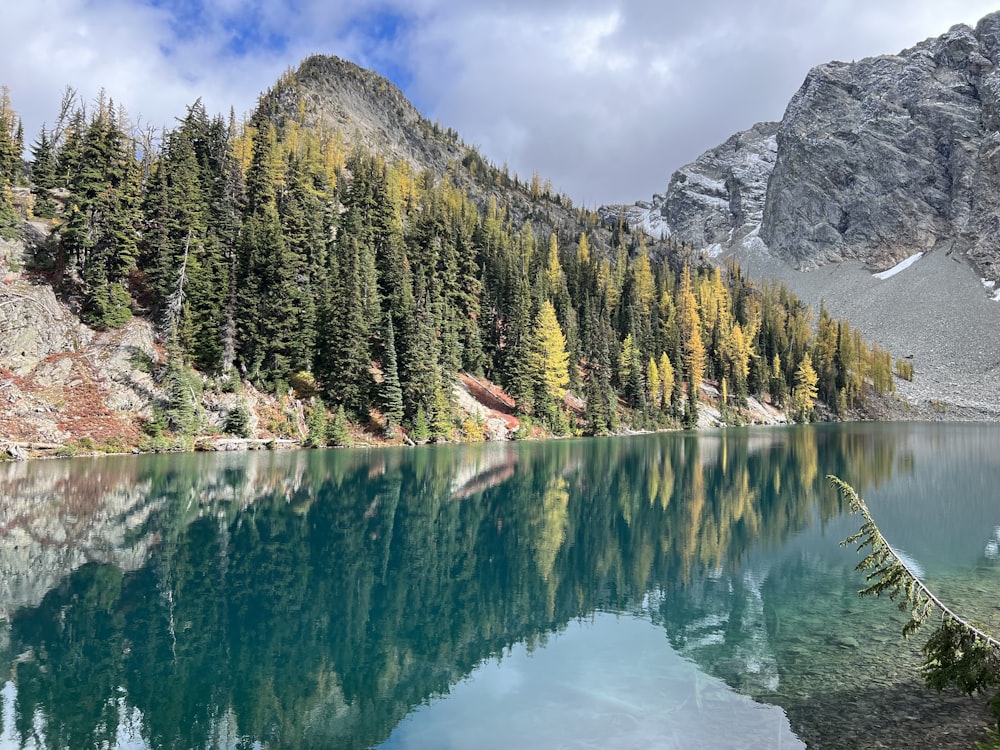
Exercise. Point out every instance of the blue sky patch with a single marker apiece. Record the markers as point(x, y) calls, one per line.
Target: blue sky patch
point(382, 34)
point(241, 32)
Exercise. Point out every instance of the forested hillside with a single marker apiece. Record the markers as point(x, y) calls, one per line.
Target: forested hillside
point(277, 253)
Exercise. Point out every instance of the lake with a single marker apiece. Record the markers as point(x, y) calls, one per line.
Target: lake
point(682, 590)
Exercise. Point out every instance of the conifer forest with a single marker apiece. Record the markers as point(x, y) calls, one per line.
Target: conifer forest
point(270, 252)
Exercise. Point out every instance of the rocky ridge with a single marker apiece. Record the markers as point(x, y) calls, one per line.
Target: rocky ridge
point(368, 110)
point(889, 156)
point(714, 201)
point(365, 109)
point(874, 162)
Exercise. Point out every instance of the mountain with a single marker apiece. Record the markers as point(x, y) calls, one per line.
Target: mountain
point(339, 244)
point(366, 110)
point(369, 111)
point(717, 199)
point(877, 162)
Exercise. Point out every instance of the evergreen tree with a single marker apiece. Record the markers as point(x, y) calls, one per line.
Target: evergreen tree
point(421, 430)
point(274, 321)
point(316, 423)
point(344, 355)
point(515, 365)
point(338, 432)
point(69, 149)
point(391, 391)
point(238, 421)
point(257, 284)
point(601, 399)
point(174, 219)
point(632, 380)
point(183, 394)
point(441, 420)
point(209, 325)
point(43, 162)
point(99, 238)
point(10, 145)
point(419, 360)
point(958, 653)
point(227, 195)
point(301, 211)
point(43, 175)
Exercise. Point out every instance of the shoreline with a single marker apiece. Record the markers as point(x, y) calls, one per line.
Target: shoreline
point(14, 451)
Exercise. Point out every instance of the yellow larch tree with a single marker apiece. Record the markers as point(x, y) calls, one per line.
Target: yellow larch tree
point(739, 352)
point(804, 393)
point(666, 380)
point(642, 272)
point(549, 358)
point(653, 384)
point(553, 269)
point(583, 249)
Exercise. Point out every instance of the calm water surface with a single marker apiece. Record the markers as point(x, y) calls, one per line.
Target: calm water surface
point(663, 591)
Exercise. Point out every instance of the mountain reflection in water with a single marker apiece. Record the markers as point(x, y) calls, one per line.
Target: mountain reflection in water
point(352, 598)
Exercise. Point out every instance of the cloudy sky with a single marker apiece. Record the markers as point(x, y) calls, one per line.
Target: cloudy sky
point(604, 97)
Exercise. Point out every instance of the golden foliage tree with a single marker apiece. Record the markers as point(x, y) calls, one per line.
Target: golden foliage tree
point(549, 358)
point(654, 384)
point(804, 393)
point(666, 380)
point(692, 347)
point(645, 285)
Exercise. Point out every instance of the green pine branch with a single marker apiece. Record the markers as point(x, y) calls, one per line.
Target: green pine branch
point(957, 653)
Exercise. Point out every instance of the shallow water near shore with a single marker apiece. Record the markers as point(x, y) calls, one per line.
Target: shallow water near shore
point(674, 590)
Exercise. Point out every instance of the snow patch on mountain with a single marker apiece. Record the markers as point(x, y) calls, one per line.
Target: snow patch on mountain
point(991, 289)
point(901, 266)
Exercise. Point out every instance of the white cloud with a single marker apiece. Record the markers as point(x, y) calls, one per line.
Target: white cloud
point(605, 98)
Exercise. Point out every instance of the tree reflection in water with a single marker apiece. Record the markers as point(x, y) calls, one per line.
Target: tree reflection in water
point(313, 599)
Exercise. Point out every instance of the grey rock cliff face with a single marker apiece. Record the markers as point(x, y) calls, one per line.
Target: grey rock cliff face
point(716, 199)
point(885, 157)
point(720, 196)
point(873, 162)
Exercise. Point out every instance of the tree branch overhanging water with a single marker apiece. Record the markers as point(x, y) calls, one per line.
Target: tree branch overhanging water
point(957, 653)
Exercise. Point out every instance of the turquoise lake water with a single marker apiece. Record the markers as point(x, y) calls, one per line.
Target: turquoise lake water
point(661, 591)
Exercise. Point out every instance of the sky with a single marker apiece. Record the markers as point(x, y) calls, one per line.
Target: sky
point(605, 98)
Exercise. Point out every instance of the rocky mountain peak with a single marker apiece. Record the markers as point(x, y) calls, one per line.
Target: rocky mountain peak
point(878, 165)
point(885, 157)
point(874, 160)
point(716, 199)
point(987, 30)
point(367, 109)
